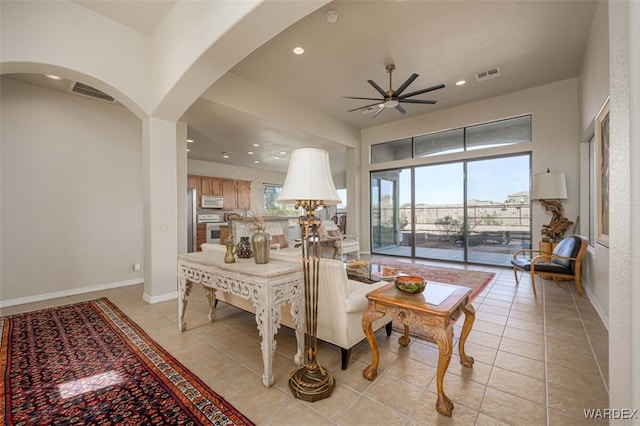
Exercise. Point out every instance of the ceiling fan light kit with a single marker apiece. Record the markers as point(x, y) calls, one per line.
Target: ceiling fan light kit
point(393, 98)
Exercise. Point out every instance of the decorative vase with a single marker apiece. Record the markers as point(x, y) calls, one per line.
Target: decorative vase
point(243, 249)
point(261, 242)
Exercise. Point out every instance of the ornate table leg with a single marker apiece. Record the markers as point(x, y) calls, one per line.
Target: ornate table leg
point(296, 305)
point(211, 299)
point(404, 339)
point(469, 318)
point(368, 318)
point(268, 343)
point(444, 339)
point(183, 292)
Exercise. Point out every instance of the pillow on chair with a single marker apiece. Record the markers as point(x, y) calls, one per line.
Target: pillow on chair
point(280, 239)
point(334, 233)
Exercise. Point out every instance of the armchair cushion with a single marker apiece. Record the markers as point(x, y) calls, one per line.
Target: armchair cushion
point(281, 240)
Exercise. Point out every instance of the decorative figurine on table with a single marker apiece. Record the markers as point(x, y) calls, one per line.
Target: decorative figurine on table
point(230, 255)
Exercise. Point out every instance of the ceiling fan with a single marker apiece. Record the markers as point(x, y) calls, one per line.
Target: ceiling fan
point(393, 98)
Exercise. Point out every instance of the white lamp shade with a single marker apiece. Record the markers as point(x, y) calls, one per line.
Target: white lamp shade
point(549, 186)
point(309, 178)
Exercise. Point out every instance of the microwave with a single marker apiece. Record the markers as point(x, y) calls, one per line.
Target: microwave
point(211, 202)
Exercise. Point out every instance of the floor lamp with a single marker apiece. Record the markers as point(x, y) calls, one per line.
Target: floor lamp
point(309, 185)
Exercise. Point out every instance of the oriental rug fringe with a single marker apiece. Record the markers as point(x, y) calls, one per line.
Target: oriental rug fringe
point(88, 363)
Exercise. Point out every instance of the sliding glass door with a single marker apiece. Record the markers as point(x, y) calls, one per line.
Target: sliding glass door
point(439, 211)
point(498, 216)
point(468, 211)
point(390, 191)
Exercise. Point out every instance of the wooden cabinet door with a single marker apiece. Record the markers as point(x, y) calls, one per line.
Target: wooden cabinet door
point(211, 186)
point(243, 190)
point(201, 235)
point(229, 194)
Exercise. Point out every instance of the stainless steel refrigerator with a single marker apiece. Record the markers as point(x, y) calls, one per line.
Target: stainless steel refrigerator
point(192, 232)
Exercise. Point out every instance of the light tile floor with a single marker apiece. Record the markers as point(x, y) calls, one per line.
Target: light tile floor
point(539, 361)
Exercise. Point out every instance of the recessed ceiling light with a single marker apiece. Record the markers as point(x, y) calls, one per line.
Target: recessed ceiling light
point(250, 152)
point(188, 150)
point(53, 77)
point(225, 155)
point(256, 144)
point(460, 82)
point(256, 161)
point(298, 50)
point(283, 152)
point(190, 140)
point(276, 158)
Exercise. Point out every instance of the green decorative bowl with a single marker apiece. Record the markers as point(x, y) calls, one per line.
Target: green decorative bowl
point(410, 284)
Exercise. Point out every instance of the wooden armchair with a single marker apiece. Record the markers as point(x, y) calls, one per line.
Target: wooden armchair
point(564, 263)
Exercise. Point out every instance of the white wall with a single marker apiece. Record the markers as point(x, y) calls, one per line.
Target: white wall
point(593, 89)
point(555, 140)
point(71, 193)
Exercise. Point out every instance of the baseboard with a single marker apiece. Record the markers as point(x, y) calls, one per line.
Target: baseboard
point(597, 307)
point(161, 298)
point(66, 293)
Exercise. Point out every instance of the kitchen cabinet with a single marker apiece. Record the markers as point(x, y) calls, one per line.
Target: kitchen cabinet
point(225, 233)
point(211, 186)
point(229, 195)
point(243, 194)
point(236, 194)
point(201, 235)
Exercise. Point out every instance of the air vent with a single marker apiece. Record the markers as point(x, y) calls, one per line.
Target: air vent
point(90, 92)
point(486, 75)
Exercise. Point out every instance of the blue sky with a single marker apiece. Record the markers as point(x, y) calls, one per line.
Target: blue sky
point(492, 179)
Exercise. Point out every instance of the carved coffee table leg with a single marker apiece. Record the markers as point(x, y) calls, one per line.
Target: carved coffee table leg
point(369, 317)
point(444, 339)
point(404, 339)
point(469, 318)
point(184, 290)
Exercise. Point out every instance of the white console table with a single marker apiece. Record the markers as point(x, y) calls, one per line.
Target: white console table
point(267, 286)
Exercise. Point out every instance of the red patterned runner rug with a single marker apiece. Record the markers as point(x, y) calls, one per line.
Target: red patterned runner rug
point(87, 363)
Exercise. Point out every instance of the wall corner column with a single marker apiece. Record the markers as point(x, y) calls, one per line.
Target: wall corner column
point(159, 169)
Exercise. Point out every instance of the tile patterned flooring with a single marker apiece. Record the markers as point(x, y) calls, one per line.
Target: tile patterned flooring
point(539, 361)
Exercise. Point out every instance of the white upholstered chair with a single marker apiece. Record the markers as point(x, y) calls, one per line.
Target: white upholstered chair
point(330, 236)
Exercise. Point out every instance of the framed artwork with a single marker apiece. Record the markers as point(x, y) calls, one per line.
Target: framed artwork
point(602, 187)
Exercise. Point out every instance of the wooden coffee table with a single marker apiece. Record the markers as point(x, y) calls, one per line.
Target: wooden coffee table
point(436, 320)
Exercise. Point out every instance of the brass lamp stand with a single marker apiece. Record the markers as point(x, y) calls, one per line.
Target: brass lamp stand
point(309, 185)
point(310, 382)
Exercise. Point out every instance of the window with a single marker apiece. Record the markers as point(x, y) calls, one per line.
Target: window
point(391, 151)
point(496, 133)
point(439, 143)
point(272, 207)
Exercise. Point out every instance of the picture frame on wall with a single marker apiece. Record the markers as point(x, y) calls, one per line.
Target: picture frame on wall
point(602, 187)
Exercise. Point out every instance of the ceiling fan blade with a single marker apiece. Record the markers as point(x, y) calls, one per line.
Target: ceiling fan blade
point(418, 92)
point(378, 112)
point(378, 88)
point(417, 101)
point(366, 99)
point(364, 107)
point(406, 84)
point(402, 110)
